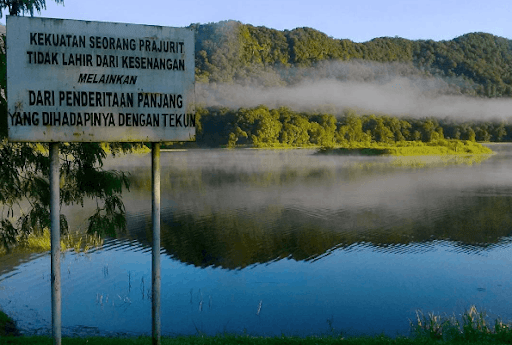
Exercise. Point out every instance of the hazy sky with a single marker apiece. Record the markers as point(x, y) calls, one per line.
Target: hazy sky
point(358, 21)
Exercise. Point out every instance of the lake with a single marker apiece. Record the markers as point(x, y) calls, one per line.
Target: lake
point(271, 242)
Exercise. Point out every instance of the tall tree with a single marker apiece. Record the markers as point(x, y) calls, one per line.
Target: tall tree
point(17, 7)
point(24, 169)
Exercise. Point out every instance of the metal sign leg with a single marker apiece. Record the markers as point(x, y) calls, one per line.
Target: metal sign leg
point(155, 269)
point(55, 242)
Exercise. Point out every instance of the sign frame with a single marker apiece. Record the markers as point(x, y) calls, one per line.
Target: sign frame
point(84, 81)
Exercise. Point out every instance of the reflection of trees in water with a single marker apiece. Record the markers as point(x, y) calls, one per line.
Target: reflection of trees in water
point(25, 251)
point(179, 179)
point(237, 239)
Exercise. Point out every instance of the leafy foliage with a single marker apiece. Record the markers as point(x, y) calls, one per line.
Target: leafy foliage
point(17, 7)
point(477, 64)
point(261, 127)
point(25, 193)
point(473, 327)
point(24, 170)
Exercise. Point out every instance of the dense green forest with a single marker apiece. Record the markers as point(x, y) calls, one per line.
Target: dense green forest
point(264, 127)
point(477, 64)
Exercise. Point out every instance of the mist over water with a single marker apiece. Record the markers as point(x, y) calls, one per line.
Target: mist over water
point(389, 88)
point(315, 241)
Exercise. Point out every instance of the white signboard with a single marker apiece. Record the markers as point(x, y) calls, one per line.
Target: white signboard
point(76, 81)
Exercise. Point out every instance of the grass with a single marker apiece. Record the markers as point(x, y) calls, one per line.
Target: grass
point(280, 146)
point(400, 148)
point(473, 328)
point(7, 326)
point(41, 242)
point(411, 148)
point(238, 340)
point(136, 149)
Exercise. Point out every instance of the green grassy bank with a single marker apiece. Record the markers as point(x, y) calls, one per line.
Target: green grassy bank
point(412, 148)
point(41, 242)
point(472, 328)
point(7, 327)
point(239, 340)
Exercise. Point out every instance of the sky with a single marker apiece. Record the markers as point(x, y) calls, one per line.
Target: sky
point(358, 21)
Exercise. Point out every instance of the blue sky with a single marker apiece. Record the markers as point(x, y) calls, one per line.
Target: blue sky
point(358, 21)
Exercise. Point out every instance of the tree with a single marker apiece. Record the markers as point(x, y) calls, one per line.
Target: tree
point(469, 134)
point(24, 170)
point(17, 7)
point(352, 130)
point(295, 128)
point(322, 129)
point(258, 124)
point(499, 132)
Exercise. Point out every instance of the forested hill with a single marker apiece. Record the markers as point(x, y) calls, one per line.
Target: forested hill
point(477, 64)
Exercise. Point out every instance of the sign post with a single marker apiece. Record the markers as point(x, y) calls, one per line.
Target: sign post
point(82, 81)
point(55, 242)
point(155, 258)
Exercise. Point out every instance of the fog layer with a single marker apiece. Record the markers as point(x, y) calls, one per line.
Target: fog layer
point(394, 89)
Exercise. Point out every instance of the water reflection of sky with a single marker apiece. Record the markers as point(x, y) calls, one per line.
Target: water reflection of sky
point(365, 244)
point(358, 289)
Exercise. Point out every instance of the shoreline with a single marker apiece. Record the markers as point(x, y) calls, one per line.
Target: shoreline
point(8, 326)
point(440, 147)
point(472, 328)
point(229, 339)
point(412, 148)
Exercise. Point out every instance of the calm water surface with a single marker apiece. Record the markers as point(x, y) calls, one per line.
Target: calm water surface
point(286, 242)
